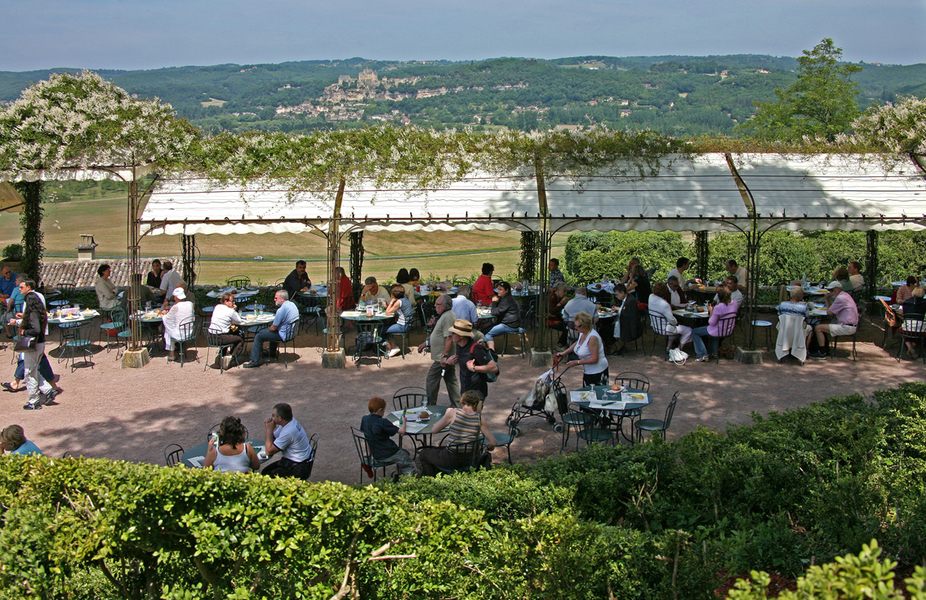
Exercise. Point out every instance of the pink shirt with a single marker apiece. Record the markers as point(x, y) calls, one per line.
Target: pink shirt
point(844, 310)
point(720, 311)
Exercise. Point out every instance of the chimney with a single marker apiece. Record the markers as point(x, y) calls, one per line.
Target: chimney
point(86, 249)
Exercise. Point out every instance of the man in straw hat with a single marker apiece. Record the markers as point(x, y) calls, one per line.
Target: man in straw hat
point(474, 361)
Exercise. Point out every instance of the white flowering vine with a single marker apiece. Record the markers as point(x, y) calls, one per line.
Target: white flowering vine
point(899, 128)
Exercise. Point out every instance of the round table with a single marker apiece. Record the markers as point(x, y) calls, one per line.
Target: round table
point(415, 428)
point(630, 406)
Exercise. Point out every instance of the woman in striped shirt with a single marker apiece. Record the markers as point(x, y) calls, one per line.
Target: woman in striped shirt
point(465, 425)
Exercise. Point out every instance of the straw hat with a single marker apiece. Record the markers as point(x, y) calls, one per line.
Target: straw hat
point(463, 328)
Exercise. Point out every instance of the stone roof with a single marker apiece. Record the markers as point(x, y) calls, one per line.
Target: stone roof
point(83, 273)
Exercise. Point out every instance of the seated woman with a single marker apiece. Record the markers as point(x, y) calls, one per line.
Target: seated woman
point(403, 279)
point(414, 277)
point(841, 274)
point(154, 275)
point(724, 308)
point(233, 453)
point(507, 314)
point(914, 309)
point(465, 425)
point(659, 305)
point(402, 309)
point(590, 350)
point(13, 440)
point(905, 292)
point(105, 289)
point(224, 316)
point(639, 284)
point(181, 312)
point(345, 291)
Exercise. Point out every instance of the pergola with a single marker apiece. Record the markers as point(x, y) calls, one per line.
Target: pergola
point(716, 192)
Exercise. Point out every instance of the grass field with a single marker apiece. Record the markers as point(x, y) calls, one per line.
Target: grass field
point(226, 255)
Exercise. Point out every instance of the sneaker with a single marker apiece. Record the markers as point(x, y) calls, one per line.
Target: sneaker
point(50, 398)
point(819, 355)
point(31, 406)
point(395, 352)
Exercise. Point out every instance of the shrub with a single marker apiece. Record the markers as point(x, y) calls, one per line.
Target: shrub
point(13, 253)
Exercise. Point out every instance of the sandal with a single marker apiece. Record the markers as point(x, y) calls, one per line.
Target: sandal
point(704, 358)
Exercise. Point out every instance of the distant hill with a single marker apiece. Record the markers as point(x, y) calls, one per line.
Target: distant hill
point(678, 95)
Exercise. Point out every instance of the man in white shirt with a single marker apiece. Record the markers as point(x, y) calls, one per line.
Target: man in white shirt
point(579, 304)
point(170, 279)
point(740, 272)
point(732, 286)
point(284, 434)
point(681, 265)
point(855, 276)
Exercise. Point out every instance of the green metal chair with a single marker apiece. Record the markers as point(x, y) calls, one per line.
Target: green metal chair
point(368, 337)
point(113, 327)
point(213, 341)
point(467, 456)
point(79, 343)
point(368, 464)
point(656, 425)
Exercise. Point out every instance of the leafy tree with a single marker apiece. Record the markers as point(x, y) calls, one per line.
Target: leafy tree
point(821, 103)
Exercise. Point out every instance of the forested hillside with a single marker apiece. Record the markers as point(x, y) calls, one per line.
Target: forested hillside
point(678, 95)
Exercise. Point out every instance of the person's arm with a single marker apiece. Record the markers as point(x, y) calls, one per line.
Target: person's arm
point(394, 306)
point(252, 457)
point(593, 351)
point(210, 454)
point(269, 446)
point(491, 442)
point(444, 421)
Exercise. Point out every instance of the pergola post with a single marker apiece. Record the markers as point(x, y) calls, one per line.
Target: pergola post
point(356, 261)
point(701, 254)
point(333, 356)
point(871, 268)
point(188, 258)
point(135, 356)
point(540, 351)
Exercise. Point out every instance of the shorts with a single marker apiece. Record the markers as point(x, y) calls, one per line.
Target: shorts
point(840, 329)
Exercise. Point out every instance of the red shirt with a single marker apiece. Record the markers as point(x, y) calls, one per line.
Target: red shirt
point(483, 290)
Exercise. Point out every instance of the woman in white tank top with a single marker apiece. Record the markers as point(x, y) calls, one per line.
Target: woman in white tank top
point(233, 453)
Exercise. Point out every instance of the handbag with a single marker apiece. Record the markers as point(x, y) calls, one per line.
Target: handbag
point(24, 343)
point(678, 356)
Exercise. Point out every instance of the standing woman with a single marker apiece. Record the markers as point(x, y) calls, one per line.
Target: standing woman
point(154, 275)
point(590, 350)
point(34, 322)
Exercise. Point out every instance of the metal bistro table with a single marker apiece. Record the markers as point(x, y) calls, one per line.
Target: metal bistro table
point(419, 431)
point(150, 321)
point(251, 323)
point(70, 321)
point(195, 456)
point(629, 407)
point(691, 318)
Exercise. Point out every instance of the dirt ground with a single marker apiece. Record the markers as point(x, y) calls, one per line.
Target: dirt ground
point(132, 414)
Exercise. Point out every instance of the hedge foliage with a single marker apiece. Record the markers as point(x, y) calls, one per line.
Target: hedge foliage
point(783, 255)
point(654, 520)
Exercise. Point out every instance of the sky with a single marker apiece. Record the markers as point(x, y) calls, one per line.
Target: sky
point(150, 34)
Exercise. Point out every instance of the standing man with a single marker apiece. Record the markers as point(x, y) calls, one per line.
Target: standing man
point(170, 279)
point(283, 328)
point(7, 282)
point(284, 434)
point(474, 361)
point(556, 275)
point(463, 307)
point(855, 276)
point(297, 281)
point(442, 348)
point(845, 316)
point(483, 290)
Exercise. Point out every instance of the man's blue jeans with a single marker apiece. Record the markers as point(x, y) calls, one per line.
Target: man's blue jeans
point(258, 345)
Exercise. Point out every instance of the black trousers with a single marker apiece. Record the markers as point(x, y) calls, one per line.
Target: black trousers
point(288, 468)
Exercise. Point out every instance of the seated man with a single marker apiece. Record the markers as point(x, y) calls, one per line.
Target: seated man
point(855, 276)
point(507, 314)
point(463, 307)
point(626, 327)
point(844, 313)
point(628, 276)
point(283, 328)
point(681, 265)
point(373, 291)
point(284, 434)
point(7, 282)
point(556, 276)
point(297, 281)
point(742, 277)
point(676, 293)
point(732, 285)
point(379, 432)
point(580, 303)
point(914, 309)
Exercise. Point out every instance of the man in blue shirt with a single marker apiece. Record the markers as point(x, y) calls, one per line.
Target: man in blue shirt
point(7, 282)
point(282, 329)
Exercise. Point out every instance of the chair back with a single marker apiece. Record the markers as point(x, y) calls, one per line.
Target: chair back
point(466, 455)
point(409, 397)
point(368, 332)
point(239, 281)
point(726, 325)
point(670, 410)
point(427, 310)
point(313, 442)
point(80, 334)
point(913, 327)
point(363, 449)
point(118, 317)
point(172, 454)
point(659, 324)
point(634, 380)
point(187, 330)
point(212, 339)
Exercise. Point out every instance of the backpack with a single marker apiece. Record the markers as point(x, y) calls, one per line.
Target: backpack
point(490, 377)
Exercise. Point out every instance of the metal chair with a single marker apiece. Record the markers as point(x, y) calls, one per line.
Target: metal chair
point(404, 336)
point(213, 341)
point(725, 327)
point(116, 324)
point(654, 425)
point(172, 454)
point(637, 381)
point(368, 336)
point(767, 326)
point(466, 456)
point(238, 281)
point(187, 336)
point(910, 329)
point(522, 333)
point(289, 340)
point(854, 354)
point(409, 397)
point(79, 342)
point(504, 440)
point(313, 442)
point(368, 464)
point(584, 423)
point(426, 311)
point(660, 326)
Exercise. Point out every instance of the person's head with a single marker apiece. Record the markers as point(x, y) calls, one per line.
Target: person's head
point(855, 267)
point(20, 278)
point(402, 276)
point(581, 291)
point(339, 272)
point(911, 281)
point(682, 263)
point(723, 296)
point(583, 321)
point(835, 288)
point(638, 271)
point(462, 332)
point(104, 271)
point(280, 297)
point(168, 265)
point(554, 264)
point(464, 290)
point(443, 303)
point(470, 398)
point(397, 291)
point(841, 273)
point(6, 272)
point(662, 290)
point(376, 406)
point(503, 289)
point(673, 283)
point(156, 265)
point(12, 438)
point(283, 412)
point(231, 431)
point(300, 266)
point(633, 262)
point(371, 281)
point(620, 291)
point(731, 283)
point(560, 289)
point(179, 294)
point(413, 274)
point(228, 300)
point(26, 286)
point(797, 293)
point(919, 292)
point(732, 266)
point(488, 269)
